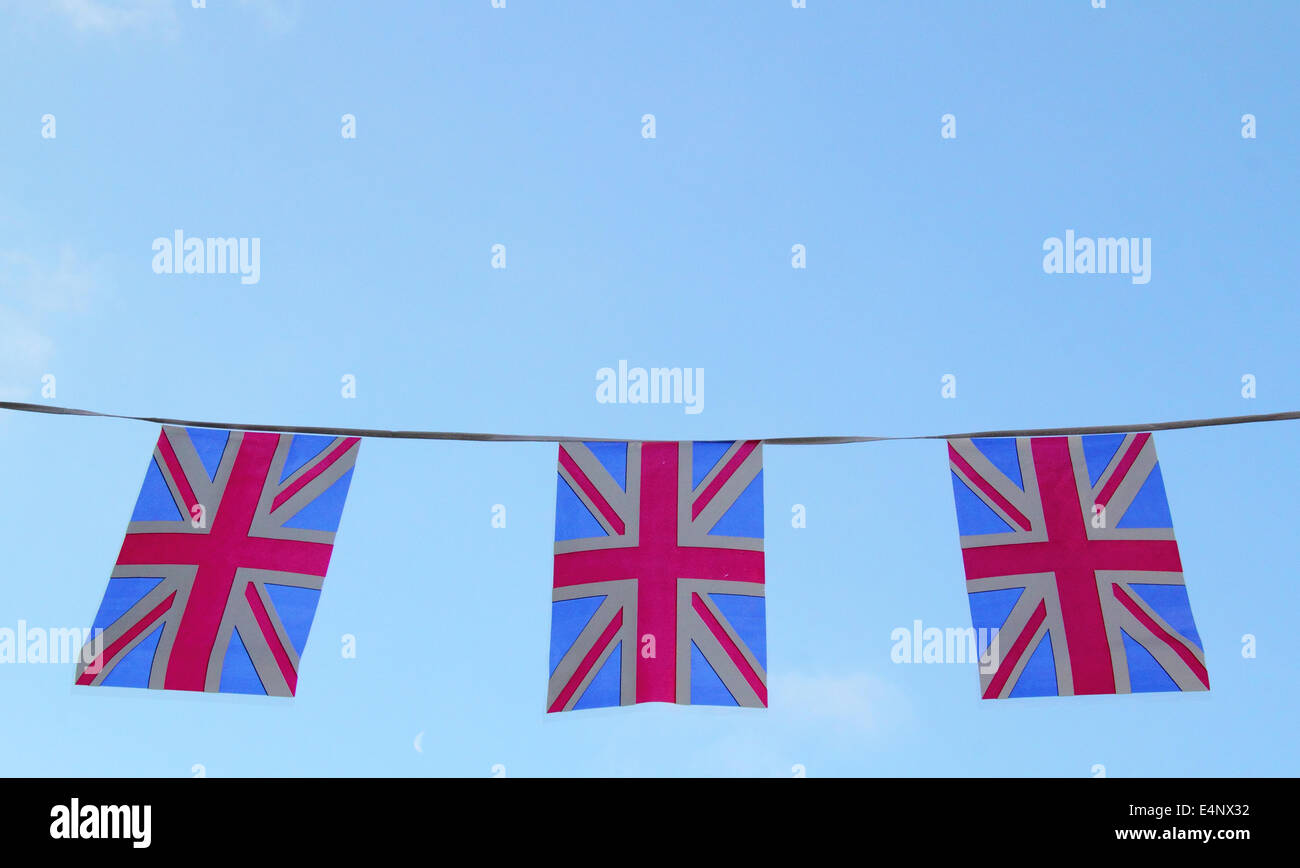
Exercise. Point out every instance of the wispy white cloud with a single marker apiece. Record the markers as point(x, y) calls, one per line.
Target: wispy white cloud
point(116, 16)
point(853, 701)
point(65, 285)
point(808, 714)
point(34, 292)
point(25, 352)
point(149, 17)
point(277, 16)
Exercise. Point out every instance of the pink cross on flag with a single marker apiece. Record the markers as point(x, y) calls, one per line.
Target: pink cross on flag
point(1073, 574)
point(658, 593)
point(217, 581)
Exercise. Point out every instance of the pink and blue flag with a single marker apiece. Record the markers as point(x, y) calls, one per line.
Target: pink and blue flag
point(658, 593)
point(217, 581)
point(1072, 570)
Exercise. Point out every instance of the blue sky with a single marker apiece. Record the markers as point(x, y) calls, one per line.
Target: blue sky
point(522, 126)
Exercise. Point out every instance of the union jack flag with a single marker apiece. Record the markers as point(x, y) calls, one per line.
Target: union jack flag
point(1070, 556)
point(217, 581)
point(658, 592)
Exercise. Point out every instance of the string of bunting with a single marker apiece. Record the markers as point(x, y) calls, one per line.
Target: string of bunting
point(553, 438)
point(1073, 574)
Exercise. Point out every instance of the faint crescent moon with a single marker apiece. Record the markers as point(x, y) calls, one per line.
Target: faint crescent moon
point(419, 738)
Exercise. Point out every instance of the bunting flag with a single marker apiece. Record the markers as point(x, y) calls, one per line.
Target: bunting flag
point(658, 593)
point(1072, 567)
point(217, 581)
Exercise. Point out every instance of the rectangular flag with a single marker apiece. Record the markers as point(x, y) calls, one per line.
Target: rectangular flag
point(658, 593)
point(1072, 567)
point(217, 580)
